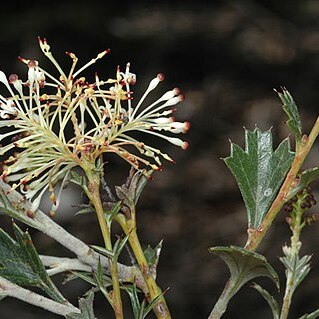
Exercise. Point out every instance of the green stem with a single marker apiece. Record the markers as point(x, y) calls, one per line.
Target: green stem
point(256, 235)
point(95, 198)
point(154, 292)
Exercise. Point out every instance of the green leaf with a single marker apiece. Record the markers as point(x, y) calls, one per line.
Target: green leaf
point(291, 109)
point(103, 282)
point(140, 310)
point(244, 265)
point(20, 263)
point(296, 266)
point(103, 251)
point(79, 180)
point(119, 245)
point(86, 307)
point(259, 171)
point(305, 178)
point(312, 315)
point(85, 276)
point(270, 300)
point(152, 254)
point(116, 208)
point(135, 302)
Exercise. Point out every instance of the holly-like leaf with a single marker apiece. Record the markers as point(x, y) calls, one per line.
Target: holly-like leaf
point(244, 265)
point(291, 109)
point(259, 171)
point(270, 300)
point(305, 178)
point(86, 307)
point(20, 263)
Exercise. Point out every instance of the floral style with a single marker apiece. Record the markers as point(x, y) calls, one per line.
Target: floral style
point(55, 123)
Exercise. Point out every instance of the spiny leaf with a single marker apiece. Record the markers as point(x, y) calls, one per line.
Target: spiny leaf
point(20, 263)
point(86, 307)
point(244, 265)
point(270, 300)
point(305, 178)
point(298, 267)
point(290, 108)
point(259, 171)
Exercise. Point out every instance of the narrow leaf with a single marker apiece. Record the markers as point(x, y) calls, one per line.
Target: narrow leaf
point(21, 264)
point(86, 307)
point(132, 293)
point(291, 109)
point(138, 183)
point(259, 171)
point(270, 300)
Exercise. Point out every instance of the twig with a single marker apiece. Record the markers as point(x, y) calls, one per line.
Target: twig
point(45, 224)
point(7, 288)
point(62, 264)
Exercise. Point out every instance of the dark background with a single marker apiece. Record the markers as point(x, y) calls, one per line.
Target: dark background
point(226, 56)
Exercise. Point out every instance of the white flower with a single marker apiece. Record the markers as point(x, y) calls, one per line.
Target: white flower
point(58, 123)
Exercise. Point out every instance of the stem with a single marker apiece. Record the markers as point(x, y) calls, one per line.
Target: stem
point(154, 291)
point(13, 204)
point(290, 281)
point(256, 235)
point(95, 198)
point(10, 289)
point(222, 303)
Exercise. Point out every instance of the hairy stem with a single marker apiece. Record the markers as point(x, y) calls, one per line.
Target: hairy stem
point(256, 235)
point(291, 273)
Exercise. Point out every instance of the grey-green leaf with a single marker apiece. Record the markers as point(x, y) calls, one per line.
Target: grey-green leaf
point(305, 178)
point(244, 265)
point(86, 307)
point(259, 171)
point(270, 300)
point(291, 109)
point(20, 263)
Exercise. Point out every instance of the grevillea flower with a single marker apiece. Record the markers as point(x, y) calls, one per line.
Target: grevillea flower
point(52, 124)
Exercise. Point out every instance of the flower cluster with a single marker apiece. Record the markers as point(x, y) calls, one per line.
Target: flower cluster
point(50, 124)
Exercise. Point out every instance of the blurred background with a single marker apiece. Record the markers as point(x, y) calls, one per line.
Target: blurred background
point(226, 56)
